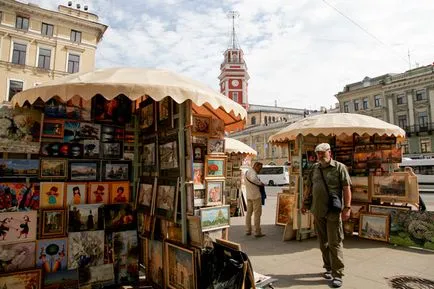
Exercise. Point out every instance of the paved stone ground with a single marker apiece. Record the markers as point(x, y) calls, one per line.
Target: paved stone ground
point(297, 264)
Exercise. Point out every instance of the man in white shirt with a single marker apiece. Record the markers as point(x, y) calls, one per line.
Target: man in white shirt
point(254, 200)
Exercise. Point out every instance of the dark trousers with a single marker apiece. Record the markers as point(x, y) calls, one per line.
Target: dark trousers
point(331, 235)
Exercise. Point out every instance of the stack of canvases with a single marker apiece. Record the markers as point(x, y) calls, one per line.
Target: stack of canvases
point(168, 262)
point(77, 180)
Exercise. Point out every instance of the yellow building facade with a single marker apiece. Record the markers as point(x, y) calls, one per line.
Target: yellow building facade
point(37, 45)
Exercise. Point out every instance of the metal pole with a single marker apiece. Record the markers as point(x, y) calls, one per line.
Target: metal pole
point(181, 146)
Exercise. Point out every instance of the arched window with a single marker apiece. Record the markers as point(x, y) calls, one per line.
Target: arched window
point(253, 120)
point(274, 119)
point(265, 119)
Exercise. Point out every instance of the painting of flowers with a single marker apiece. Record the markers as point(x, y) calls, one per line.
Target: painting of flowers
point(215, 167)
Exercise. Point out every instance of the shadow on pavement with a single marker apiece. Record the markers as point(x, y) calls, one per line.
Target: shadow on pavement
point(309, 280)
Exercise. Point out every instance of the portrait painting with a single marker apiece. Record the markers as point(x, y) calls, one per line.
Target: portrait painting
point(62, 279)
point(19, 197)
point(360, 189)
point(215, 167)
point(217, 129)
point(101, 275)
point(201, 125)
point(91, 148)
point(20, 130)
point(117, 110)
point(216, 146)
point(22, 280)
point(393, 186)
point(83, 170)
point(52, 195)
point(145, 194)
point(198, 173)
point(374, 227)
point(98, 193)
point(120, 192)
point(53, 128)
point(87, 217)
point(199, 152)
point(18, 168)
point(53, 168)
point(179, 257)
point(214, 192)
point(154, 261)
point(119, 217)
point(166, 199)
point(213, 218)
point(112, 150)
point(53, 223)
point(285, 208)
point(51, 255)
point(16, 257)
point(110, 133)
point(147, 115)
point(168, 153)
point(116, 170)
point(76, 193)
point(85, 249)
point(18, 227)
point(126, 252)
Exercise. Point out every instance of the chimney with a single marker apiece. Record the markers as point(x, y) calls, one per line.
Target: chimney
point(85, 8)
point(69, 3)
point(78, 6)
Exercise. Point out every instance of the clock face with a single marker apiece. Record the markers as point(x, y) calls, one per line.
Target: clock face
point(235, 82)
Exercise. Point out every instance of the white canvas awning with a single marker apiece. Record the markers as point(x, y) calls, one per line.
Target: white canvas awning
point(233, 146)
point(137, 84)
point(337, 124)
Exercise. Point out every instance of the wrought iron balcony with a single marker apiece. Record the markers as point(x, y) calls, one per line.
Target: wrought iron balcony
point(417, 128)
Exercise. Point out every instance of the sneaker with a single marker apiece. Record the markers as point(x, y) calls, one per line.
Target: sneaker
point(248, 233)
point(337, 282)
point(259, 235)
point(327, 275)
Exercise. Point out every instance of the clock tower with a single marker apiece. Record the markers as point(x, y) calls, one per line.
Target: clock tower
point(233, 70)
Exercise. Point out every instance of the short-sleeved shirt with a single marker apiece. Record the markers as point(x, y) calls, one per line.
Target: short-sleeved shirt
point(336, 175)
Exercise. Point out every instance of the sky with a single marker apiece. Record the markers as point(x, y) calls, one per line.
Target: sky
point(299, 53)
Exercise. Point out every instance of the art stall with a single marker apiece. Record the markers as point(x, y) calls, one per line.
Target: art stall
point(385, 200)
point(239, 157)
point(97, 182)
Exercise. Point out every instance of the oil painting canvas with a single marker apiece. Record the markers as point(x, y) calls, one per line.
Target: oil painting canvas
point(21, 280)
point(168, 155)
point(18, 168)
point(52, 195)
point(51, 255)
point(53, 223)
point(76, 193)
point(360, 189)
point(15, 257)
point(98, 193)
point(61, 280)
point(394, 186)
point(145, 195)
point(126, 250)
point(17, 227)
point(101, 274)
point(119, 217)
point(87, 217)
point(165, 200)
point(19, 197)
point(120, 193)
point(154, 261)
point(180, 267)
point(85, 249)
point(214, 218)
point(285, 208)
point(375, 227)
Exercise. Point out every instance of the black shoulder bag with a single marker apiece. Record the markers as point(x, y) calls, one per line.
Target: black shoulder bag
point(335, 200)
point(261, 189)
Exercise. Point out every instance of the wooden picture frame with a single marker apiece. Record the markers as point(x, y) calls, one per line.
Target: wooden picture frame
point(52, 195)
point(166, 198)
point(23, 279)
point(214, 192)
point(360, 191)
point(194, 236)
point(165, 113)
point(119, 217)
point(120, 192)
point(116, 170)
point(146, 192)
point(51, 255)
point(391, 187)
point(26, 222)
point(179, 257)
point(216, 146)
point(76, 193)
point(98, 192)
point(53, 168)
point(149, 155)
point(285, 208)
point(374, 227)
point(201, 125)
point(391, 211)
point(53, 128)
point(213, 218)
point(154, 262)
point(84, 170)
point(215, 167)
point(168, 158)
point(147, 116)
point(53, 223)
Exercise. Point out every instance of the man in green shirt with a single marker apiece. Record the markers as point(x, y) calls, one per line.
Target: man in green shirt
point(329, 177)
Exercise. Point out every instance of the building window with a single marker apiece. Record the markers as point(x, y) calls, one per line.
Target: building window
point(253, 120)
point(22, 23)
point(75, 36)
point(420, 95)
point(15, 86)
point(235, 96)
point(365, 103)
point(377, 101)
point(44, 58)
point(356, 105)
point(402, 121)
point(19, 54)
point(265, 119)
point(405, 149)
point(73, 63)
point(274, 119)
point(346, 107)
point(425, 145)
point(423, 119)
point(401, 99)
point(47, 29)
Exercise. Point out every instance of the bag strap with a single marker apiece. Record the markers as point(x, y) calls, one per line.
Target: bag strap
point(251, 181)
point(323, 179)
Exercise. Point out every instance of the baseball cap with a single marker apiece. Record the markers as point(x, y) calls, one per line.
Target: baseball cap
point(322, 147)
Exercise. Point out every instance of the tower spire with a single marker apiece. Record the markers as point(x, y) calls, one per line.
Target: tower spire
point(234, 41)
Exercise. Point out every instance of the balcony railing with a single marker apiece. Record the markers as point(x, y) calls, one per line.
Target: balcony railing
point(425, 127)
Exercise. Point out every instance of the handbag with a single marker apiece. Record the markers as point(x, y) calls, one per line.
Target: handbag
point(335, 200)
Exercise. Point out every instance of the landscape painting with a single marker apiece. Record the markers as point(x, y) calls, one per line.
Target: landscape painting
point(18, 227)
point(360, 189)
point(61, 280)
point(86, 217)
point(15, 257)
point(30, 279)
point(18, 168)
point(391, 211)
point(374, 227)
point(179, 257)
point(84, 170)
point(214, 218)
point(85, 249)
point(168, 155)
point(101, 274)
point(394, 186)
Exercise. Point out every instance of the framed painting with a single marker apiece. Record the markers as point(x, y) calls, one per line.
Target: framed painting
point(53, 168)
point(126, 256)
point(194, 235)
point(85, 249)
point(165, 113)
point(117, 110)
point(362, 139)
point(344, 140)
point(116, 170)
point(67, 279)
point(391, 211)
point(53, 223)
point(201, 125)
point(19, 168)
point(17, 257)
point(199, 152)
point(76, 193)
point(145, 224)
point(147, 115)
point(285, 208)
point(18, 227)
point(214, 192)
point(146, 194)
point(75, 150)
point(78, 108)
point(51, 255)
point(91, 149)
point(168, 155)
point(112, 150)
point(216, 146)
point(154, 261)
point(360, 189)
point(119, 217)
point(98, 192)
point(84, 170)
point(179, 257)
point(111, 133)
point(120, 192)
point(22, 280)
point(53, 128)
point(198, 174)
point(81, 131)
point(217, 129)
point(213, 218)
point(199, 197)
point(88, 217)
point(52, 195)
point(19, 196)
point(374, 227)
point(101, 275)
point(393, 186)
point(166, 197)
point(149, 156)
point(215, 167)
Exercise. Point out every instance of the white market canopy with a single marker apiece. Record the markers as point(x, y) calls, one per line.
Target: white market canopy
point(337, 124)
point(233, 146)
point(138, 84)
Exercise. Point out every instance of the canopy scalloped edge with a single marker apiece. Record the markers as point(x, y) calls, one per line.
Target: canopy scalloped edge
point(234, 146)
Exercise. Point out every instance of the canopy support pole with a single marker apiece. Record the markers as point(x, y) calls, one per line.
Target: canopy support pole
point(300, 184)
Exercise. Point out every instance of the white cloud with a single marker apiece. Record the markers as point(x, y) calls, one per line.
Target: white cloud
point(300, 52)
